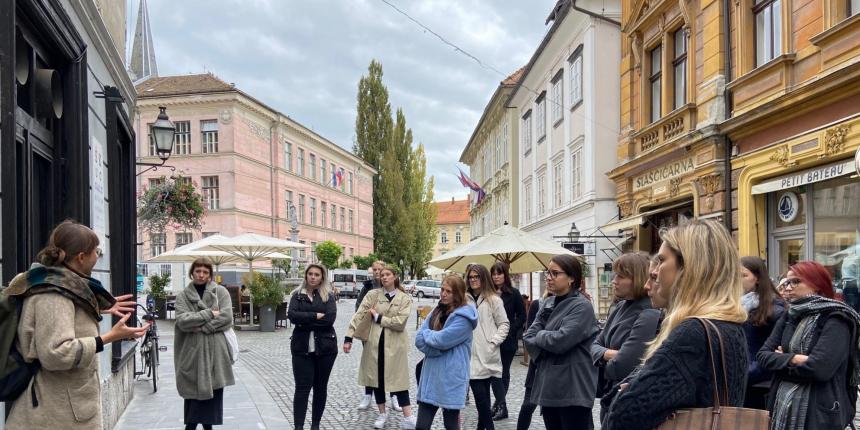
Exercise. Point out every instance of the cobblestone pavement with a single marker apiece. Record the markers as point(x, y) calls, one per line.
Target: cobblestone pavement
point(268, 356)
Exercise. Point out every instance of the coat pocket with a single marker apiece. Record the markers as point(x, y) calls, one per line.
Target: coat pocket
point(828, 415)
point(326, 343)
point(84, 400)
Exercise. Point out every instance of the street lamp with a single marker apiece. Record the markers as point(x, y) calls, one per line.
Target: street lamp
point(573, 234)
point(162, 132)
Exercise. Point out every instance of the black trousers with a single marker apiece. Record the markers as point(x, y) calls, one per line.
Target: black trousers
point(527, 410)
point(379, 392)
point(500, 385)
point(481, 390)
point(426, 413)
point(311, 371)
point(567, 418)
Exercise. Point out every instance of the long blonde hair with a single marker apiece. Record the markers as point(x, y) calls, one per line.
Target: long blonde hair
point(325, 285)
point(708, 282)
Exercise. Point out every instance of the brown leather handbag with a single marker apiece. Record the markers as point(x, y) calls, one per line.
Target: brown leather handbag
point(717, 417)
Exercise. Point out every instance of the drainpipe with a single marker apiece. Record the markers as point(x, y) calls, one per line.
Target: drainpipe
point(727, 100)
point(594, 15)
point(272, 180)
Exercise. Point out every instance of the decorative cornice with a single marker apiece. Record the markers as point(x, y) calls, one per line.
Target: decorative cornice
point(780, 156)
point(674, 186)
point(626, 208)
point(834, 140)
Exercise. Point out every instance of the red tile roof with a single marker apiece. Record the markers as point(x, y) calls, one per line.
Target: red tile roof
point(515, 77)
point(183, 84)
point(452, 212)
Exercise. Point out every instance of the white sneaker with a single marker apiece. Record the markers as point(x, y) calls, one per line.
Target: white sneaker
point(380, 421)
point(395, 405)
point(365, 402)
point(409, 422)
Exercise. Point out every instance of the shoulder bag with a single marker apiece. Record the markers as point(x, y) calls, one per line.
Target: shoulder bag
point(230, 336)
point(717, 417)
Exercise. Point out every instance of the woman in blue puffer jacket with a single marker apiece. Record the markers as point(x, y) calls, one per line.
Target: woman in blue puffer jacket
point(445, 338)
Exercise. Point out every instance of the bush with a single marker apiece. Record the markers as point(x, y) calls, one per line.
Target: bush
point(158, 285)
point(329, 253)
point(265, 290)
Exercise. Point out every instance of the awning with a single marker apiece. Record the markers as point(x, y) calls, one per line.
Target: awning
point(805, 177)
point(639, 219)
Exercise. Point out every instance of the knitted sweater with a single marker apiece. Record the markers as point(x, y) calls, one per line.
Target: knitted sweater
point(678, 375)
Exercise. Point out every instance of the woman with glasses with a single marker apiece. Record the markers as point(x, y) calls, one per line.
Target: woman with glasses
point(698, 276)
point(633, 323)
point(493, 327)
point(559, 341)
point(515, 310)
point(765, 308)
point(813, 354)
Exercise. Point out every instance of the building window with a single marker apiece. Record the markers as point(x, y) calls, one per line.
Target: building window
point(183, 180)
point(288, 156)
point(527, 192)
point(505, 141)
point(576, 173)
point(853, 7)
point(313, 249)
point(679, 64)
point(183, 239)
point(497, 145)
point(289, 200)
point(458, 237)
point(342, 218)
point(323, 214)
point(333, 217)
point(182, 138)
point(351, 226)
point(541, 193)
point(349, 183)
point(157, 244)
point(323, 171)
point(210, 191)
point(209, 136)
point(301, 208)
point(575, 64)
point(301, 162)
point(656, 75)
point(488, 162)
point(154, 182)
point(313, 211)
point(558, 183)
point(526, 132)
point(151, 140)
point(541, 117)
point(312, 166)
point(333, 180)
point(444, 237)
point(557, 98)
point(302, 251)
point(768, 23)
point(165, 269)
point(209, 233)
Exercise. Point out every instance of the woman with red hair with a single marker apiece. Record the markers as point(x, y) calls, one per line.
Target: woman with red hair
point(815, 370)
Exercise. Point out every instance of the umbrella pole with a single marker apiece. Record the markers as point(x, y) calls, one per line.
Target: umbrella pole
point(251, 297)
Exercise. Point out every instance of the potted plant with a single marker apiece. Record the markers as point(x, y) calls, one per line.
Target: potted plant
point(158, 292)
point(173, 201)
point(267, 294)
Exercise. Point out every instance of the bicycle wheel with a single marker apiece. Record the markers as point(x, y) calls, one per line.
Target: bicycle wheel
point(153, 359)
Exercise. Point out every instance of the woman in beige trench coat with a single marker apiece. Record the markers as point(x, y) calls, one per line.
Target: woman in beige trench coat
point(65, 392)
point(381, 318)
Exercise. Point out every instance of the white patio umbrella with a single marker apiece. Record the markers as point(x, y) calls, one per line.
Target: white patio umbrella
point(521, 251)
point(252, 247)
point(190, 252)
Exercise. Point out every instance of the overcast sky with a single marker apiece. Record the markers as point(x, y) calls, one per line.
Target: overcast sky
point(304, 58)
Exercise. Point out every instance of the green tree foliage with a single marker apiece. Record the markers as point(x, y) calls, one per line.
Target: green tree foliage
point(364, 263)
point(282, 264)
point(158, 285)
point(345, 264)
point(329, 253)
point(265, 290)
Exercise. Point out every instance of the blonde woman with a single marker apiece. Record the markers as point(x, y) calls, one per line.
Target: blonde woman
point(698, 276)
point(313, 346)
point(493, 327)
point(384, 362)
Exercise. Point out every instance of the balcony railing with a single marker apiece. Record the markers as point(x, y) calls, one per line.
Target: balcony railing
point(675, 124)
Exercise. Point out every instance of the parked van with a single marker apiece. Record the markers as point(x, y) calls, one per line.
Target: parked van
point(348, 282)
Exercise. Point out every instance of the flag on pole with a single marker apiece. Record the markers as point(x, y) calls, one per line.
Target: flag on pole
point(467, 182)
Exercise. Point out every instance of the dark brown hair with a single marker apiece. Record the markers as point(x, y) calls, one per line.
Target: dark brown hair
point(396, 276)
point(571, 267)
point(634, 266)
point(487, 288)
point(501, 268)
point(458, 288)
point(763, 287)
point(201, 262)
point(67, 241)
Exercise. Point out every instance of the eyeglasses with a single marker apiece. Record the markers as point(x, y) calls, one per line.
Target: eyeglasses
point(99, 252)
point(552, 274)
point(790, 282)
point(473, 277)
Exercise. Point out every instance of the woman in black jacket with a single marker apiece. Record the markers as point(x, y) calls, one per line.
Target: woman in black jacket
point(313, 345)
point(813, 353)
point(698, 277)
point(516, 312)
point(619, 348)
point(524, 420)
point(764, 307)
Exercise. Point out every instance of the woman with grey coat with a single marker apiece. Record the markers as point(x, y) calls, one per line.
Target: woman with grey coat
point(559, 343)
point(201, 353)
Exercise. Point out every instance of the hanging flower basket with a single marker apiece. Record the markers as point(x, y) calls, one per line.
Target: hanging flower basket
point(172, 201)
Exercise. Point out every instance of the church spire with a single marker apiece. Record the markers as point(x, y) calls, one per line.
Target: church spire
point(142, 64)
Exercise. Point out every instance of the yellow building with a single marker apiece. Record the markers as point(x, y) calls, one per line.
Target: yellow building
point(672, 157)
point(795, 129)
point(452, 225)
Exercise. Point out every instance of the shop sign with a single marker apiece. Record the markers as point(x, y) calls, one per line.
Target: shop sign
point(810, 176)
point(669, 171)
point(788, 206)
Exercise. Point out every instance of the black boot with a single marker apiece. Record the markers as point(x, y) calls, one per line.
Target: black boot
point(501, 412)
point(495, 408)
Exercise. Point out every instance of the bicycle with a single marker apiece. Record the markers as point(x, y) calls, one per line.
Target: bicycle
point(148, 347)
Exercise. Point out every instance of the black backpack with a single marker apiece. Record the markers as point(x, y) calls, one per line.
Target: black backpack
point(15, 373)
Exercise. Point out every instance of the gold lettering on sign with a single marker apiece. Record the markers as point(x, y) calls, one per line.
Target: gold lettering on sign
point(834, 140)
point(668, 171)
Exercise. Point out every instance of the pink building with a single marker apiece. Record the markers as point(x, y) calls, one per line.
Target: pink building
point(249, 160)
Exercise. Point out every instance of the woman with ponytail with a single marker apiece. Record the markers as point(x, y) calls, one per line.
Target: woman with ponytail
point(65, 391)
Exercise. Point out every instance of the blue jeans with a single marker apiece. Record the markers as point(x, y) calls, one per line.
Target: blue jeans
point(851, 294)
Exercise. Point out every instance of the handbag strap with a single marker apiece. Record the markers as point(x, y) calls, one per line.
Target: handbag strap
point(705, 323)
point(722, 361)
